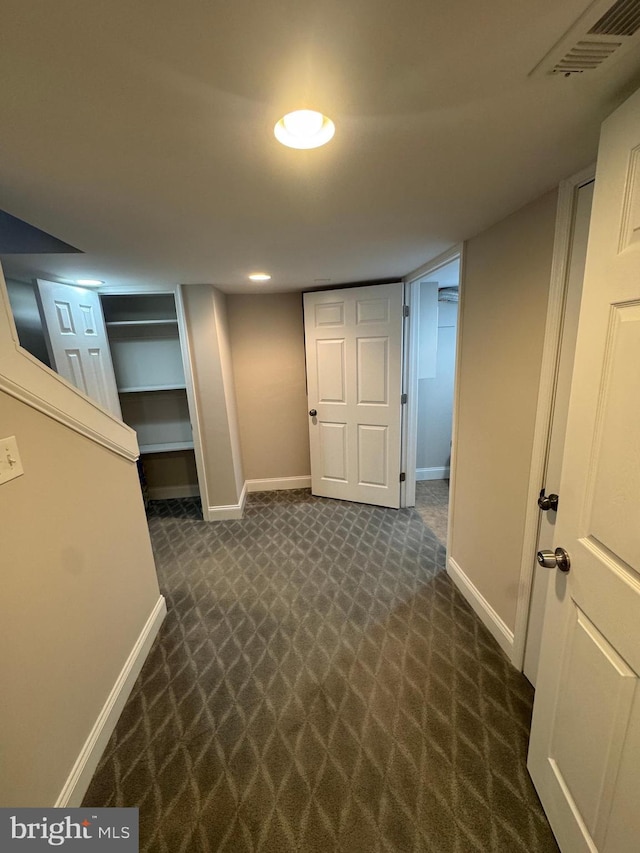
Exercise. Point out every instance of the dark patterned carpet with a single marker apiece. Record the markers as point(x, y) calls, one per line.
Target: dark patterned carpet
point(319, 685)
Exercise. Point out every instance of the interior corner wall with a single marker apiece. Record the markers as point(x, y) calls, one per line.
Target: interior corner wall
point(207, 329)
point(78, 588)
point(267, 345)
point(503, 314)
point(226, 365)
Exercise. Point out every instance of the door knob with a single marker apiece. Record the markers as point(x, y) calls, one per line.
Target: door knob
point(313, 413)
point(558, 559)
point(546, 502)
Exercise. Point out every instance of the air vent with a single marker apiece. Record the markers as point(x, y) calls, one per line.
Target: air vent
point(622, 19)
point(602, 31)
point(448, 294)
point(586, 56)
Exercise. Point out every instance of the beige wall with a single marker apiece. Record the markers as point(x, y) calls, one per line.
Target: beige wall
point(206, 319)
point(267, 345)
point(171, 475)
point(78, 585)
point(506, 284)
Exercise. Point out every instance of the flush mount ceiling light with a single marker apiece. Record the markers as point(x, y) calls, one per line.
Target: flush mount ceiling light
point(260, 276)
point(89, 282)
point(304, 129)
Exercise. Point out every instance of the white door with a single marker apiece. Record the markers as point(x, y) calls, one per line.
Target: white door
point(584, 753)
point(555, 452)
point(77, 341)
point(353, 340)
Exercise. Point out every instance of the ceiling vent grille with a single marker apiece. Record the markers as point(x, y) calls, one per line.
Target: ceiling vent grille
point(586, 56)
point(602, 31)
point(622, 19)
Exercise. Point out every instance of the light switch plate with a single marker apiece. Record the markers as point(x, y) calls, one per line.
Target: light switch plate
point(10, 462)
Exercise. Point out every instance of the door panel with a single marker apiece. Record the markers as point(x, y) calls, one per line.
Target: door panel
point(331, 371)
point(353, 344)
point(584, 753)
point(597, 678)
point(77, 341)
point(372, 365)
point(333, 448)
point(373, 450)
point(614, 520)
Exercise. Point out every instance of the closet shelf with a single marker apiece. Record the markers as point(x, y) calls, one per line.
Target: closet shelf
point(142, 389)
point(166, 447)
point(131, 324)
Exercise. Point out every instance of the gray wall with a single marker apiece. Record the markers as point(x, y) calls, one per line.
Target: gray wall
point(78, 586)
point(24, 307)
point(207, 327)
point(505, 292)
point(267, 346)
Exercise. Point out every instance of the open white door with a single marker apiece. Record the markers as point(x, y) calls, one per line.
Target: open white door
point(77, 341)
point(584, 753)
point(353, 340)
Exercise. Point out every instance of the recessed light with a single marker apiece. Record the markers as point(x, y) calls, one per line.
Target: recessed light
point(259, 276)
point(304, 129)
point(89, 282)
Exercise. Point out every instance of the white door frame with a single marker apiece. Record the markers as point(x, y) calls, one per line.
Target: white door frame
point(410, 373)
point(567, 199)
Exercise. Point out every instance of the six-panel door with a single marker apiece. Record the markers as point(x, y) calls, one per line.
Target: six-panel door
point(353, 343)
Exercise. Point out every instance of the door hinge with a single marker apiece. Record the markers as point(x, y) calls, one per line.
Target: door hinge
point(403, 399)
point(405, 310)
point(403, 477)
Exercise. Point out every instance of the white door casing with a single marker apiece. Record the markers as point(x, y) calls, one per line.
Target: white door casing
point(353, 342)
point(77, 341)
point(584, 754)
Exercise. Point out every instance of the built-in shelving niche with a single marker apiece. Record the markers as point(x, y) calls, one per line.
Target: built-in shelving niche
point(144, 338)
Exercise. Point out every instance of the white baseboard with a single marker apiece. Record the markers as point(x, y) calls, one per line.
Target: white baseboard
point(273, 484)
point(228, 512)
point(78, 781)
point(496, 625)
point(432, 473)
point(164, 493)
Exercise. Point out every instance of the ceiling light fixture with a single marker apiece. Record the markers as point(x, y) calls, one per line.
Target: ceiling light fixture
point(89, 282)
point(260, 276)
point(304, 129)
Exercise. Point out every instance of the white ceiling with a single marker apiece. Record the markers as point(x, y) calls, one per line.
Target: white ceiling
point(141, 132)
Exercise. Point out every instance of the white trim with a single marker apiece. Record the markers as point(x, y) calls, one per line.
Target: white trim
point(166, 493)
point(410, 378)
point(456, 400)
point(497, 627)
point(567, 195)
point(410, 341)
point(192, 397)
point(25, 378)
point(441, 473)
point(227, 512)
point(274, 484)
point(78, 781)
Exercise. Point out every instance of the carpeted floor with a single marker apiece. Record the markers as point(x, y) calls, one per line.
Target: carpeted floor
point(319, 685)
point(432, 505)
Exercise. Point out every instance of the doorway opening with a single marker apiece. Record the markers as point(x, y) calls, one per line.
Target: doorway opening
point(432, 294)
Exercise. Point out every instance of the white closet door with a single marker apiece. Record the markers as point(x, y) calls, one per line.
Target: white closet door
point(584, 754)
point(77, 341)
point(353, 340)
